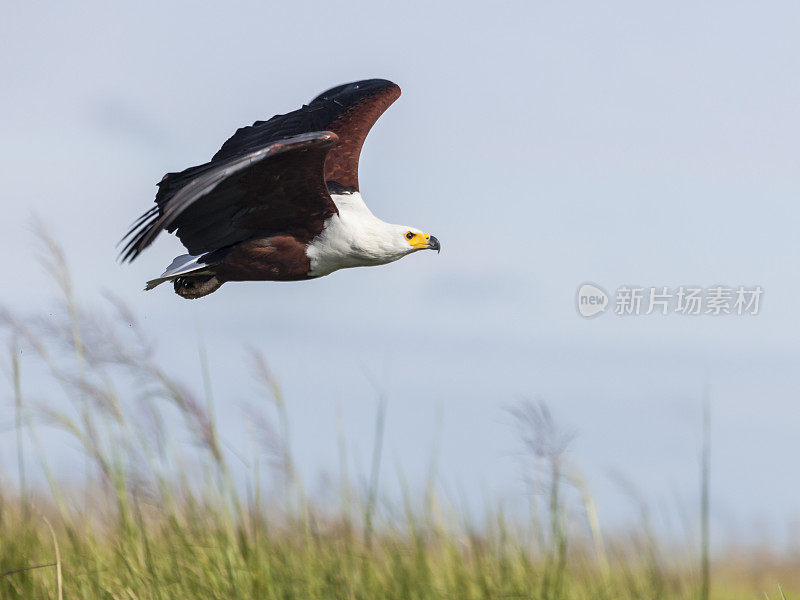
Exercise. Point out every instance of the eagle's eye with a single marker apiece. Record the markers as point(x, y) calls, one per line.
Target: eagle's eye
point(410, 235)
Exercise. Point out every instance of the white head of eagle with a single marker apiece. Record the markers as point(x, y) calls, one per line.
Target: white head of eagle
point(279, 201)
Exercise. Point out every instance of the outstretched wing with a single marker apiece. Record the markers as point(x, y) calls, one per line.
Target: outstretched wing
point(362, 103)
point(277, 187)
point(202, 203)
point(348, 110)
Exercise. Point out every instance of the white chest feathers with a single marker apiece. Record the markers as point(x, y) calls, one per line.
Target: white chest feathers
point(354, 238)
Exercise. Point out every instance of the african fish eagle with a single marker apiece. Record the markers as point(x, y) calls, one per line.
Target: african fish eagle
point(279, 201)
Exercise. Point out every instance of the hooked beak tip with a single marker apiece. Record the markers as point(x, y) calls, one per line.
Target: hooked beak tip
point(433, 244)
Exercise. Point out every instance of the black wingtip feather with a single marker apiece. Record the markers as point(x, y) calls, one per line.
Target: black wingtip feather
point(138, 232)
point(347, 93)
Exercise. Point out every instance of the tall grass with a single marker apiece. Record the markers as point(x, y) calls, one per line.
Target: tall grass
point(705, 502)
point(151, 520)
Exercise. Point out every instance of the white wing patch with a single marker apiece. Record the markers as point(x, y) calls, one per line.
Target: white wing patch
point(182, 265)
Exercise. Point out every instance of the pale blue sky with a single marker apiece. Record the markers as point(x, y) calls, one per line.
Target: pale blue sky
point(545, 144)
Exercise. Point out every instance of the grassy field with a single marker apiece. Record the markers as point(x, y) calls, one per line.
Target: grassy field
point(149, 521)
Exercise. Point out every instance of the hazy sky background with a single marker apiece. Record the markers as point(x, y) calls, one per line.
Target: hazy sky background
point(545, 144)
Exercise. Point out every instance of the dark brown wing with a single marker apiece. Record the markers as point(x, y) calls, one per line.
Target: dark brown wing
point(349, 110)
point(276, 188)
point(363, 102)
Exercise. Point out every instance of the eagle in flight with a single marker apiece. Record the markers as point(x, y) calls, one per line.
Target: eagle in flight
point(279, 201)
